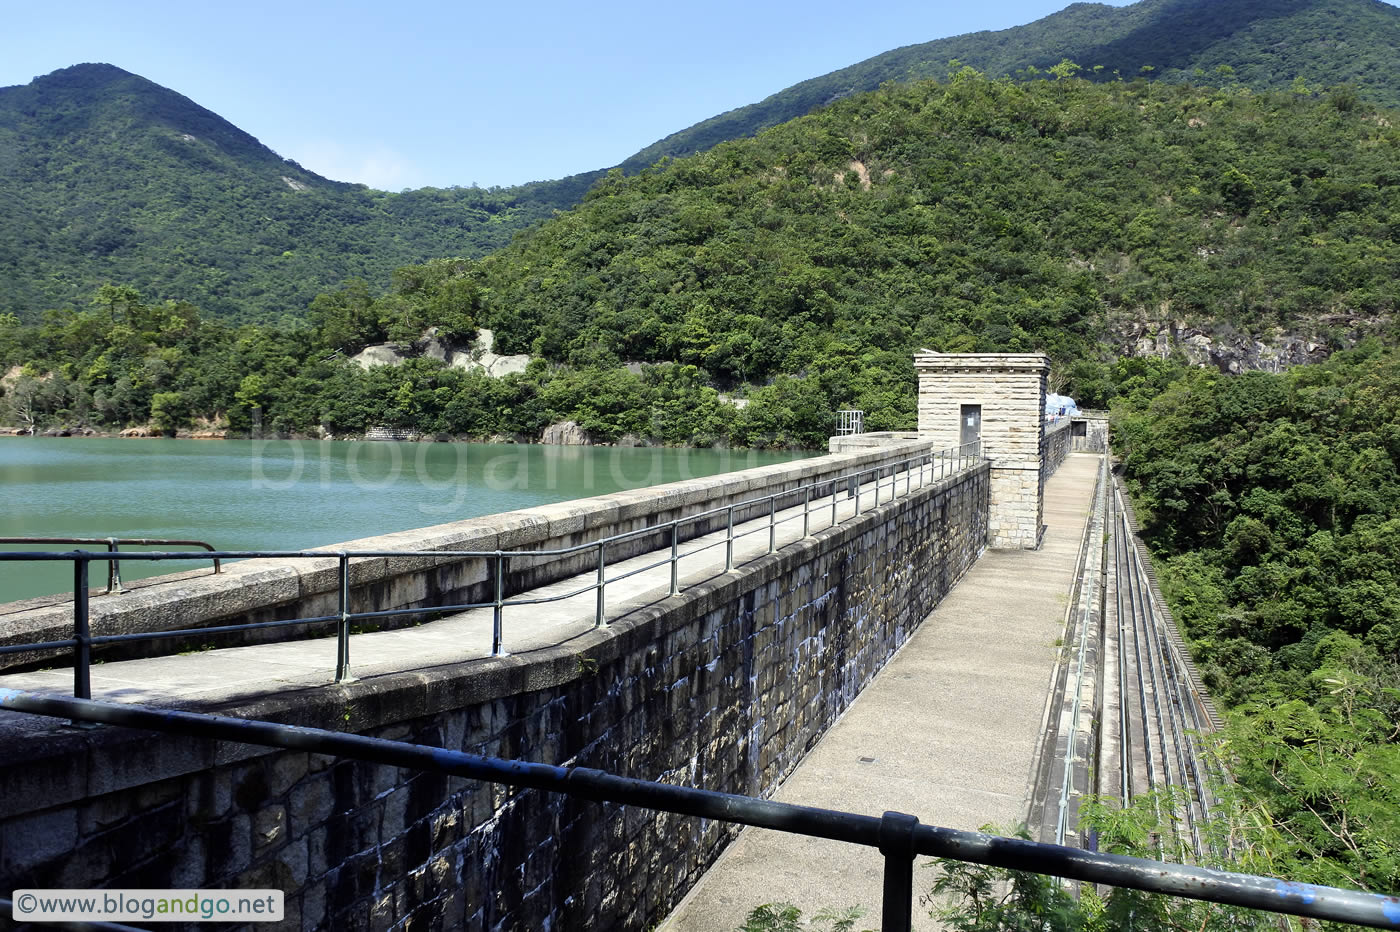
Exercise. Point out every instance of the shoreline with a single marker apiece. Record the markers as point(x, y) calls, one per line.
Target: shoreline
point(389, 435)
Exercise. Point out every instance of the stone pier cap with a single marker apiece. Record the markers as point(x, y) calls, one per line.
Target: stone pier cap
point(980, 362)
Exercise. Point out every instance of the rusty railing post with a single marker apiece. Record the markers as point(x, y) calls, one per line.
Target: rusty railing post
point(342, 636)
point(498, 608)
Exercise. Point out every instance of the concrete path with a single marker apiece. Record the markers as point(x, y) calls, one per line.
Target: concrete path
point(948, 731)
point(240, 672)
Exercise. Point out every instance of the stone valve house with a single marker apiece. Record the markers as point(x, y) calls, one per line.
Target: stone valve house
point(995, 402)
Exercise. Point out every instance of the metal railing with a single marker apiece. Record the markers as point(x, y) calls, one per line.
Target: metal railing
point(114, 567)
point(864, 487)
point(850, 421)
point(898, 836)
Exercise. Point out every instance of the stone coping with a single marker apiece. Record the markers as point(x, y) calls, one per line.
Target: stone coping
point(193, 599)
point(926, 360)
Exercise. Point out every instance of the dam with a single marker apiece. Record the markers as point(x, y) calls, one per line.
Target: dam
point(719, 633)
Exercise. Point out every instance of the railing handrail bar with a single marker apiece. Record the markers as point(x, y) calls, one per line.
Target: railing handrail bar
point(894, 834)
point(114, 582)
point(133, 541)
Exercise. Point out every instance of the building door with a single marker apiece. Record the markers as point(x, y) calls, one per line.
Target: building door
point(971, 421)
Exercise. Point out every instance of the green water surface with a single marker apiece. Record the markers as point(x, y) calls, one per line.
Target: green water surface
point(294, 494)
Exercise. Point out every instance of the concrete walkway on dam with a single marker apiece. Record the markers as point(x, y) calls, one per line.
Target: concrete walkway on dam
point(231, 674)
point(947, 731)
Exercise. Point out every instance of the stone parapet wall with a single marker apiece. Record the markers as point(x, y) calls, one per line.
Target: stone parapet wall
point(275, 590)
point(1054, 447)
point(1090, 433)
point(724, 687)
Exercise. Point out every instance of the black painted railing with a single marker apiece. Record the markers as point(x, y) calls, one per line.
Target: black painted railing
point(898, 836)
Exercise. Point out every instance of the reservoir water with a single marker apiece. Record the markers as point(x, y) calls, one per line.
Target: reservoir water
point(294, 494)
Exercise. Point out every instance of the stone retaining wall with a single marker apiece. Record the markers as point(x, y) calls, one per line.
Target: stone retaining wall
point(1055, 445)
point(724, 687)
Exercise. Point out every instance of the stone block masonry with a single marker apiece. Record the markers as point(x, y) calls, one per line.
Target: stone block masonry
point(725, 687)
point(1007, 391)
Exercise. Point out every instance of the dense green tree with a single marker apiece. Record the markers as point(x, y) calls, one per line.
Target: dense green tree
point(1273, 505)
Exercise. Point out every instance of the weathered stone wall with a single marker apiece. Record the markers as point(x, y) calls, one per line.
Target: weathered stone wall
point(723, 687)
point(278, 590)
point(1054, 447)
point(1090, 434)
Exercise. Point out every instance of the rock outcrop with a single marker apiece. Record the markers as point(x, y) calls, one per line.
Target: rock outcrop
point(566, 433)
point(1222, 347)
point(481, 355)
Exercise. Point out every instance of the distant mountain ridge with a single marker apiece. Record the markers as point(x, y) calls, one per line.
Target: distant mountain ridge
point(1267, 43)
point(109, 177)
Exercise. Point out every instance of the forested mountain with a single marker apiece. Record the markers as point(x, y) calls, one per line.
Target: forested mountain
point(971, 215)
point(1265, 44)
point(108, 177)
point(805, 266)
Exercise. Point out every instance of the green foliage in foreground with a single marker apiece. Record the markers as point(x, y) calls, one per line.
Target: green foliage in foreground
point(969, 897)
point(784, 917)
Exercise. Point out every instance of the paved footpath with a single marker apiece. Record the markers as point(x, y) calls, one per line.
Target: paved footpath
point(948, 731)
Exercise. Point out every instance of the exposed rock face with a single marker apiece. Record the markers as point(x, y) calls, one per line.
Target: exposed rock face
point(566, 433)
point(481, 355)
point(140, 432)
point(1232, 352)
point(380, 354)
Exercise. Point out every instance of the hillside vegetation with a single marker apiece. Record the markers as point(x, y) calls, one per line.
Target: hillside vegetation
point(1266, 44)
point(1273, 505)
point(970, 215)
point(804, 267)
point(108, 177)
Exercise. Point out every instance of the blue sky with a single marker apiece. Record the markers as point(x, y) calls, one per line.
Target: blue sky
point(413, 92)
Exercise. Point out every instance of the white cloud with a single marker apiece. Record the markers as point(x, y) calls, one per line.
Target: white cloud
point(375, 164)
